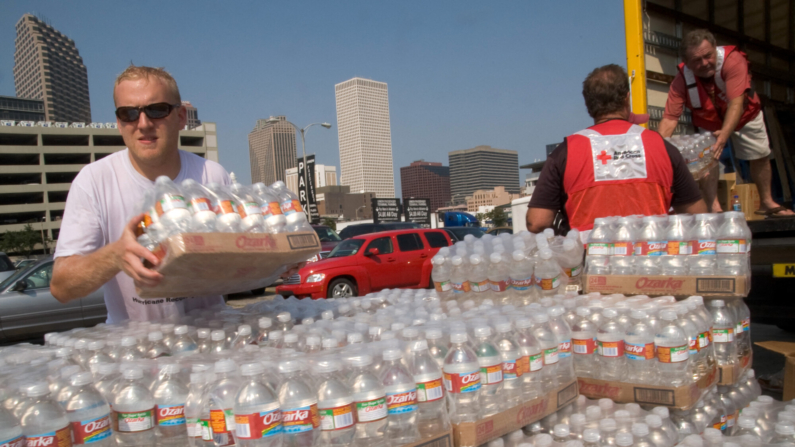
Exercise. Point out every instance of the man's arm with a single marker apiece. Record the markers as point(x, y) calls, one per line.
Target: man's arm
point(667, 127)
point(697, 207)
point(730, 121)
point(539, 219)
point(76, 276)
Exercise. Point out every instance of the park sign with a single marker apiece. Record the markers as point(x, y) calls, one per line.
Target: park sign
point(386, 210)
point(306, 192)
point(417, 210)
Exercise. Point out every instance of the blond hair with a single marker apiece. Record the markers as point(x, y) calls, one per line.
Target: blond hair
point(134, 73)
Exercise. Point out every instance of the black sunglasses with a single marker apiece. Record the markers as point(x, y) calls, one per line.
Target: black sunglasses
point(155, 111)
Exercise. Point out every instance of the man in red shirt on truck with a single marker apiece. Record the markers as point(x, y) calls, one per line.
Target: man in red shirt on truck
point(715, 84)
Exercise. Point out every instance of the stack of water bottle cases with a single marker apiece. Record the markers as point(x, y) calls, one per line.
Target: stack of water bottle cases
point(697, 151)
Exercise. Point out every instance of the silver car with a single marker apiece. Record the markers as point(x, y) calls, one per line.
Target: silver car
point(28, 309)
point(6, 266)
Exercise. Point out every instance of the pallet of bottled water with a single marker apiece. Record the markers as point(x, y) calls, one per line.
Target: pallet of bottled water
point(218, 239)
point(697, 151)
point(703, 254)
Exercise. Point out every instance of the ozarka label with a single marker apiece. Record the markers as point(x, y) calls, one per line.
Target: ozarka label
point(59, 438)
point(704, 247)
point(336, 418)
point(131, 422)
point(401, 402)
point(371, 410)
point(91, 430)
point(639, 351)
point(19, 441)
point(584, 346)
point(610, 348)
point(672, 354)
point(171, 415)
point(429, 391)
point(651, 248)
point(259, 425)
point(301, 419)
point(459, 383)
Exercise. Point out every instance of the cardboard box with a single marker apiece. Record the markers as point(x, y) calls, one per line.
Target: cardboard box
point(681, 398)
point(788, 350)
point(749, 200)
point(723, 286)
point(726, 190)
point(500, 424)
point(444, 439)
point(195, 264)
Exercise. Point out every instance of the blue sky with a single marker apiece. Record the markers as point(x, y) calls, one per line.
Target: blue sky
point(460, 74)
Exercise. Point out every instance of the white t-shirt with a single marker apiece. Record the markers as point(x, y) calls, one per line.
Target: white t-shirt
point(104, 196)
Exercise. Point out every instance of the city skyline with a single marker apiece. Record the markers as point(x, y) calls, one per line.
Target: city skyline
point(521, 95)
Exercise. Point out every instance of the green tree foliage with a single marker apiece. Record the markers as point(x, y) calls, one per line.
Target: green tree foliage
point(497, 217)
point(24, 241)
point(329, 222)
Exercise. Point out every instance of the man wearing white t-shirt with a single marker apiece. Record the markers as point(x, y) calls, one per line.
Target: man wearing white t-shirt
point(97, 245)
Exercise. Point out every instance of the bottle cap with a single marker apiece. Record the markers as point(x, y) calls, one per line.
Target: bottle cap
point(392, 354)
point(410, 332)
point(591, 435)
point(203, 333)
point(132, 373)
point(224, 366)
point(265, 322)
point(482, 331)
point(327, 365)
point(545, 253)
point(458, 337)
point(785, 428)
point(38, 389)
point(610, 313)
point(746, 422)
point(289, 366)
point(330, 342)
point(244, 330)
point(252, 369)
point(276, 335)
point(561, 430)
point(624, 439)
point(313, 340)
point(640, 429)
point(541, 318)
point(663, 412)
point(106, 368)
point(717, 303)
point(542, 440)
point(96, 345)
point(607, 424)
point(218, 335)
point(577, 419)
point(128, 341)
point(361, 360)
point(155, 336)
point(181, 329)
point(354, 337)
point(284, 317)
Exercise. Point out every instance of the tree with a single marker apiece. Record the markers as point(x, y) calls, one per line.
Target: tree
point(23, 241)
point(329, 222)
point(481, 218)
point(498, 217)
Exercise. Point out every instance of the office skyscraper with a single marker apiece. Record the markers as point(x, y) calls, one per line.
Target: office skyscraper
point(193, 115)
point(271, 146)
point(426, 180)
point(47, 66)
point(364, 136)
point(482, 167)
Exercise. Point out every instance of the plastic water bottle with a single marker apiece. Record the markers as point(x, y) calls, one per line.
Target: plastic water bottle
point(156, 346)
point(203, 340)
point(678, 236)
point(562, 332)
point(671, 345)
point(491, 378)
point(183, 343)
point(217, 341)
point(88, 413)
point(521, 273)
point(549, 346)
point(133, 406)
point(193, 409)
point(10, 429)
point(639, 349)
point(610, 347)
point(723, 326)
point(221, 401)
point(427, 373)
point(441, 276)
point(640, 435)
point(44, 422)
point(291, 207)
point(531, 360)
point(478, 278)
point(401, 399)
point(171, 395)
point(657, 435)
point(227, 220)
point(270, 207)
point(462, 380)
point(248, 206)
point(298, 403)
point(458, 276)
point(335, 404)
point(511, 365)
point(498, 277)
point(600, 239)
point(583, 344)
point(96, 353)
point(258, 420)
point(370, 401)
point(200, 205)
point(549, 276)
point(170, 206)
point(129, 350)
point(733, 239)
point(571, 261)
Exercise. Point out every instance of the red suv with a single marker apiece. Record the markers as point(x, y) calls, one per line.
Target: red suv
point(368, 263)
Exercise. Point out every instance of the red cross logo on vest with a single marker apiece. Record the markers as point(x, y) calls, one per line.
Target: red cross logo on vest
point(603, 157)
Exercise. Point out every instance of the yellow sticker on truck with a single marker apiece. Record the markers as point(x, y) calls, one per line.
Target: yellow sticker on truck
point(783, 270)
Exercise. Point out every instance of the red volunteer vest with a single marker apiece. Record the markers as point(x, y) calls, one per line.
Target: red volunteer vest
point(706, 113)
point(616, 169)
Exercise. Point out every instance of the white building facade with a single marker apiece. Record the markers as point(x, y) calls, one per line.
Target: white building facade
point(324, 176)
point(365, 138)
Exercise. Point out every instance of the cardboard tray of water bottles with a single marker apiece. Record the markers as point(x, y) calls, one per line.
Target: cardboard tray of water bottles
point(678, 255)
point(510, 420)
point(214, 239)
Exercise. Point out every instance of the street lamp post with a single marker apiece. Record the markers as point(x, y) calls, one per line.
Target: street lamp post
point(274, 120)
point(357, 211)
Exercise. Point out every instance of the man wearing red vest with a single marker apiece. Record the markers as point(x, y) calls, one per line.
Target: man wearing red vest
point(715, 84)
point(613, 168)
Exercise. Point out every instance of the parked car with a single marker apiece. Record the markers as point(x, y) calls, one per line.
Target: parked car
point(458, 233)
point(328, 240)
point(28, 309)
point(496, 231)
point(368, 263)
point(359, 229)
point(7, 267)
point(22, 263)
